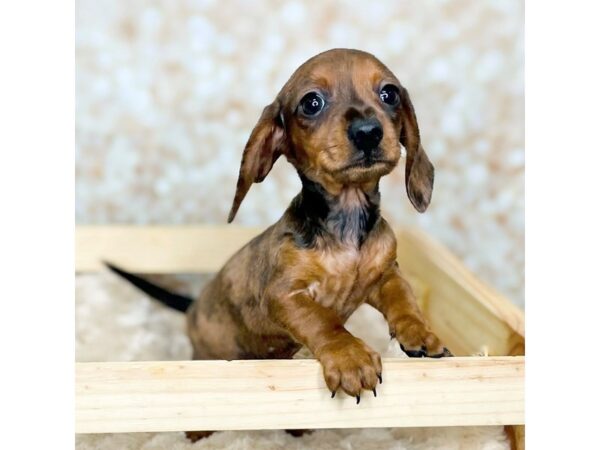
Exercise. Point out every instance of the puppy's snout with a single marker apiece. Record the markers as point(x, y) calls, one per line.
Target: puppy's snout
point(365, 134)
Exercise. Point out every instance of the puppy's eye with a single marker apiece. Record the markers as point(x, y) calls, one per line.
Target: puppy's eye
point(312, 104)
point(390, 95)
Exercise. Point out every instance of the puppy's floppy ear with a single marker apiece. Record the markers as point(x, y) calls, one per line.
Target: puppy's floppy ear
point(419, 171)
point(265, 145)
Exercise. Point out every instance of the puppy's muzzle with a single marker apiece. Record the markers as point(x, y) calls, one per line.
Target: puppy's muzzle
point(365, 134)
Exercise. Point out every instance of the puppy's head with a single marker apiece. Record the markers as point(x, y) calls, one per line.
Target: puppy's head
point(340, 120)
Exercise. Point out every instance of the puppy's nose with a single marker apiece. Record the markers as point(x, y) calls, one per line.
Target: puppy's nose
point(366, 134)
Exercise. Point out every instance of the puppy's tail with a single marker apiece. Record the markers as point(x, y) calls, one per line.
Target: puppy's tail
point(170, 299)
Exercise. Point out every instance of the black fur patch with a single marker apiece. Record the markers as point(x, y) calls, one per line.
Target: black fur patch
point(320, 214)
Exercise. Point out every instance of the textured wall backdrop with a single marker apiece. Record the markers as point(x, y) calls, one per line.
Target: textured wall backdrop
point(168, 91)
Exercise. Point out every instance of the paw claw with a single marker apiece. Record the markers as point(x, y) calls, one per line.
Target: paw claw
point(357, 399)
point(423, 352)
point(445, 353)
point(375, 392)
point(415, 353)
point(333, 394)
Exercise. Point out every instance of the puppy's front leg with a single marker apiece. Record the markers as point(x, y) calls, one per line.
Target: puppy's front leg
point(347, 361)
point(396, 301)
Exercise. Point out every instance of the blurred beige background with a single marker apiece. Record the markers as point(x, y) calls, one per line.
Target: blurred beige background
point(168, 91)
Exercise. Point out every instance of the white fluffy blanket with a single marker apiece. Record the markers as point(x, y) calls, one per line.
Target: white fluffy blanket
point(115, 322)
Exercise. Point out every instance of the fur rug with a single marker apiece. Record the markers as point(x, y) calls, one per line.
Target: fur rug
point(115, 322)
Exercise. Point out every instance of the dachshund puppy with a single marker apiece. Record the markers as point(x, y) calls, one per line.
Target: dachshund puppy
point(340, 121)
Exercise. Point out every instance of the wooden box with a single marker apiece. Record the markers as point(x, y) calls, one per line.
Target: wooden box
point(467, 390)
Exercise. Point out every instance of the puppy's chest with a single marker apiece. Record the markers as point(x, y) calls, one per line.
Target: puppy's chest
point(344, 277)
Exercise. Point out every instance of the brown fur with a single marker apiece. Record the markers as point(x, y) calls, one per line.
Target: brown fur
point(299, 281)
point(275, 294)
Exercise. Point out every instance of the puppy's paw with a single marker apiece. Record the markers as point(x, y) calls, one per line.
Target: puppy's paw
point(418, 342)
point(351, 365)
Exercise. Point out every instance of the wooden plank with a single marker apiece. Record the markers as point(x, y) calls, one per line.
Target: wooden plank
point(469, 316)
point(159, 249)
point(221, 395)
